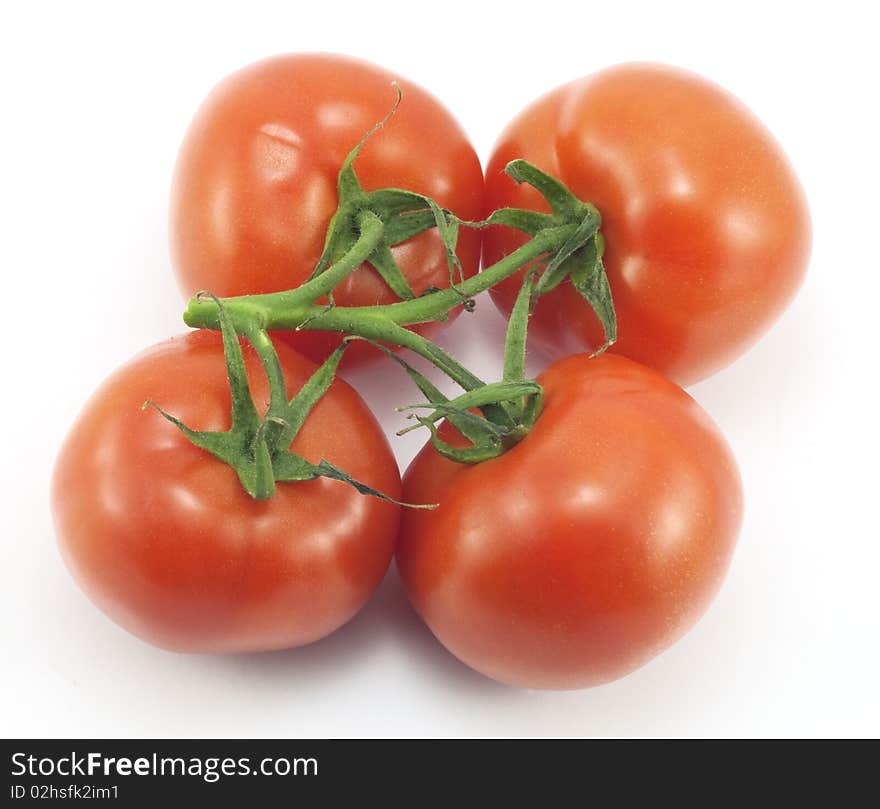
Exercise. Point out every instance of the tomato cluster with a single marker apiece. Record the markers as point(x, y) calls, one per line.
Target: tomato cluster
point(591, 540)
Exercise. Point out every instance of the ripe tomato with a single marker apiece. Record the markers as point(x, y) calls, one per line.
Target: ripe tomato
point(163, 538)
point(706, 226)
point(255, 182)
point(587, 548)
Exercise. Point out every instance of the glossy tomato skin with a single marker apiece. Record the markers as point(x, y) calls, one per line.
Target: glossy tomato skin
point(586, 549)
point(706, 225)
point(162, 537)
point(255, 181)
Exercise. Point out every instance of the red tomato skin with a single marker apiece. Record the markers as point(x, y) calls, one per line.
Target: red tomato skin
point(255, 181)
point(589, 547)
point(162, 537)
point(707, 228)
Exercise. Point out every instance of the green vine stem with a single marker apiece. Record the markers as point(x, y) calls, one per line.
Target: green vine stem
point(282, 311)
point(491, 416)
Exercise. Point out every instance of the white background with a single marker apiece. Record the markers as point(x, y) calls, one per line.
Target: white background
point(95, 99)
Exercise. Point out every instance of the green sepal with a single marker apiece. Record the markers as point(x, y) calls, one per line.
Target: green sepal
point(551, 280)
point(591, 281)
point(476, 428)
point(554, 272)
point(491, 393)
point(403, 214)
point(347, 183)
point(383, 263)
point(346, 223)
point(431, 392)
point(561, 201)
point(404, 226)
point(258, 448)
point(327, 470)
point(447, 229)
point(529, 222)
point(533, 408)
point(309, 395)
point(579, 258)
point(243, 446)
point(289, 467)
point(517, 328)
point(474, 454)
point(341, 234)
point(488, 438)
point(486, 431)
point(230, 447)
point(397, 202)
point(484, 435)
point(260, 477)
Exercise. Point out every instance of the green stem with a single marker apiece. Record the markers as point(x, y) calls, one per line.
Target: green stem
point(273, 425)
point(371, 229)
point(378, 328)
point(272, 366)
point(252, 312)
point(289, 310)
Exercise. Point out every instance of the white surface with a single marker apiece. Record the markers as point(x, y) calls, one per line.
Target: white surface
point(95, 101)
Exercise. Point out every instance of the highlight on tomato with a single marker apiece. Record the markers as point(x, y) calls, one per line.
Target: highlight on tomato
point(588, 547)
point(706, 227)
point(255, 184)
point(164, 538)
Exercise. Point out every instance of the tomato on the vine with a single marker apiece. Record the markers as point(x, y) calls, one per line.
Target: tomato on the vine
point(164, 539)
point(255, 181)
point(706, 227)
point(587, 548)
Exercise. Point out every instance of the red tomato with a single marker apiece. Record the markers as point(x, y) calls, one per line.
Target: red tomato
point(589, 547)
point(163, 538)
point(255, 182)
point(706, 226)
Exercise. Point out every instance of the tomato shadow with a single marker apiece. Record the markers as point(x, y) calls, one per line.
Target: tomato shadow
point(387, 650)
point(792, 363)
point(387, 627)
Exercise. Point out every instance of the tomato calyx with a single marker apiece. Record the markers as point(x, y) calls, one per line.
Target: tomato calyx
point(255, 446)
point(493, 416)
point(580, 257)
point(396, 215)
